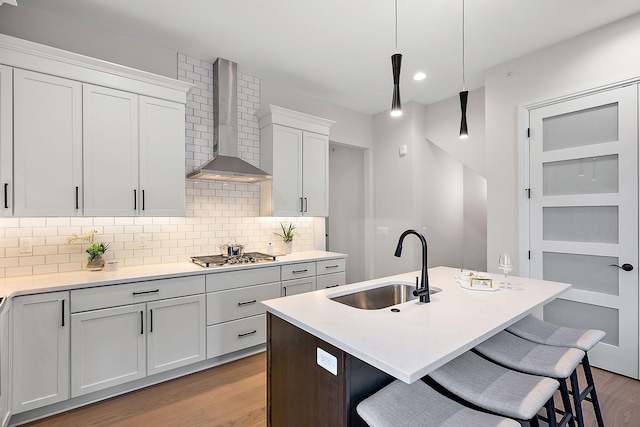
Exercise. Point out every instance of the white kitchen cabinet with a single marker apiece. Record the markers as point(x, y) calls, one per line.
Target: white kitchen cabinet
point(162, 161)
point(294, 148)
point(47, 147)
point(312, 275)
point(298, 286)
point(6, 140)
point(40, 350)
point(110, 131)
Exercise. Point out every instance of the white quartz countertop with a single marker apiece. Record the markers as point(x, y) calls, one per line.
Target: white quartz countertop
point(11, 287)
point(422, 336)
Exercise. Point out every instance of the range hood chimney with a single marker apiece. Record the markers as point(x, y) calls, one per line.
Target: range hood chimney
point(226, 165)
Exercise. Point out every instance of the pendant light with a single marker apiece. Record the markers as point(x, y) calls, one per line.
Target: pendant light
point(396, 61)
point(464, 134)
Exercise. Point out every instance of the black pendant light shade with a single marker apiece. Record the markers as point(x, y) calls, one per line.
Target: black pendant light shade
point(396, 105)
point(463, 108)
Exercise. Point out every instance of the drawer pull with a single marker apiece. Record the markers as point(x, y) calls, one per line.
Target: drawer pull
point(246, 334)
point(300, 271)
point(247, 302)
point(146, 292)
point(332, 286)
point(332, 266)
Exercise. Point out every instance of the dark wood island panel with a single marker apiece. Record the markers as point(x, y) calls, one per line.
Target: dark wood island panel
point(302, 393)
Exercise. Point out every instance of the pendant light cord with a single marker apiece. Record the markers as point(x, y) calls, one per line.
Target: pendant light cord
point(396, 26)
point(463, 79)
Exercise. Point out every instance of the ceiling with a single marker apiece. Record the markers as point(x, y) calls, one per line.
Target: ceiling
point(339, 50)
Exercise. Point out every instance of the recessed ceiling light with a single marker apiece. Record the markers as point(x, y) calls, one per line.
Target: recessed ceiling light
point(419, 76)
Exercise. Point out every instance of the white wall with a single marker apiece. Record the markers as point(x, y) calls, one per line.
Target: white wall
point(605, 55)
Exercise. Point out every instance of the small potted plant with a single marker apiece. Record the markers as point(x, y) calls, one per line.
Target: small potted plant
point(287, 236)
point(95, 250)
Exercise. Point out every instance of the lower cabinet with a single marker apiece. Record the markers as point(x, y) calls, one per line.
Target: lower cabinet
point(298, 286)
point(40, 350)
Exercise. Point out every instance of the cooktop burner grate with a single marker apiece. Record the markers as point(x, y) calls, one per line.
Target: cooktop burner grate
point(219, 260)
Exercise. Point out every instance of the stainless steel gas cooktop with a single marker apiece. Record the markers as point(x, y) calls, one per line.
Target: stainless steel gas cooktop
point(220, 260)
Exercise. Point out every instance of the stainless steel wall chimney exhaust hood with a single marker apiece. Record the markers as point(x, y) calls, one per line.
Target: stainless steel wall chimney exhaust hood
point(226, 165)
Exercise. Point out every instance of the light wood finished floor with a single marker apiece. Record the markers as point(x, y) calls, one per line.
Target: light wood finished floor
point(235, 395)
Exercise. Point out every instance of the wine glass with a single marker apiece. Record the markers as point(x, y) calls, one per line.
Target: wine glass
point(505, 265)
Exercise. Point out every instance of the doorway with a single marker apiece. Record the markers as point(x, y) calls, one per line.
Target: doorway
point(583, 217)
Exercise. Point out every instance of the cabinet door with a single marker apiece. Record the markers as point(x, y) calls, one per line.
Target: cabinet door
point(6, 140)
point(315, 174)
point(162, 164)
point(40, 346)
point(175, 333)
point(107, 348)
point(47, 145)
point(298, 286)
point(287, 172)
point(110, 130)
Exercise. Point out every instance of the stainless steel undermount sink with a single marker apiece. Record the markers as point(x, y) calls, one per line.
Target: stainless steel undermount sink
point(386, 295)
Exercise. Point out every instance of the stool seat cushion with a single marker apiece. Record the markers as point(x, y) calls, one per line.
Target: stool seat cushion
point(495, 388)
point(526, 356)
point(400, 404)
point(536, 330)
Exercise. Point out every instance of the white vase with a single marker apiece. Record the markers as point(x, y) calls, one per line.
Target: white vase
point(288, 247)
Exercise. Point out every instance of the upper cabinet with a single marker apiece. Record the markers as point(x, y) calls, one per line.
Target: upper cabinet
point(6, 140)
point(89, 137)
point(294, 148)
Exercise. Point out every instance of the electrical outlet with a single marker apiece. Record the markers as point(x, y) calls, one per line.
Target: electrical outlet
point(142, 240)
point(327, 361)
point(25, 245)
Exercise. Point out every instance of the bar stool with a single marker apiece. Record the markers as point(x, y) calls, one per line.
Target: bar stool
point(541, 332)
point(513, 352)
point(497, 389)
point(417, 404)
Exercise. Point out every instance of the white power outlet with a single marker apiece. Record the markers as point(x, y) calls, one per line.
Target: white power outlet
point(25, 245)
point(142, 240)
point(327, 360)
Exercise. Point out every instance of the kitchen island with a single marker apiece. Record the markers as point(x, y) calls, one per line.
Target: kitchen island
point(324, 357)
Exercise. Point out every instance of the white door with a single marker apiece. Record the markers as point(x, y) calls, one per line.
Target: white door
point(175, 333)
point(584, 217)
point(110, 130)
point(6, 139)
point(40, 345)
point(315, 174)
point(47, 146)
point(287, 173)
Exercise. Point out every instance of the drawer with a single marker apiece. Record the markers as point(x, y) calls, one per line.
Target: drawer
point(330, 280)
point(297, 271)
point(330, 266)
point(236, 335)
point(239, 278)
point(132, 293)
point(298, 286)
point(237, 303)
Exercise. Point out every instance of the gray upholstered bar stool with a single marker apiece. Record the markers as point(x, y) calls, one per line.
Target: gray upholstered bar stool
point(497, 389)
point(522, 355)
point(539, 331)
point(407, 405)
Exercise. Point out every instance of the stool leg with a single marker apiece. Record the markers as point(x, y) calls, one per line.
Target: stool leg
point(594, 398)
point(566, 403)
point(551, 413)
point(577, 402)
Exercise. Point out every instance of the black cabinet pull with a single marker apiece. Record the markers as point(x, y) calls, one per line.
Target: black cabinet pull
point(246, 334)
point(146, 292)
point(135, 199)
point(247, 302)
point(141, 322)
point(299, 271)
point(151, 322)
point(142, 199)
point(306, 204)
point(332, 266)
point(63, 313)
point(6, 195)
point(77, 198)
point(332, 286)
point(301, 204)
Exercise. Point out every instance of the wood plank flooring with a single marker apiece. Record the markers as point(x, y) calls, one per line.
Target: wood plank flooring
point(234, 394)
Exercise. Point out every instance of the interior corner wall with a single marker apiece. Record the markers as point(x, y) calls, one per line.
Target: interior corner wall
point(599, 57)
point(57, 31)
point(474, 250)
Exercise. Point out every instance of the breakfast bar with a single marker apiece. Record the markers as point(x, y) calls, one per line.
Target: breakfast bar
point(324, 356)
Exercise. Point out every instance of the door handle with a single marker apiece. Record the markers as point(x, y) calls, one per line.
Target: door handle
point(625, 267)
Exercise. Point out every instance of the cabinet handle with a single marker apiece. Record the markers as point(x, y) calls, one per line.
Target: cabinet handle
point(306, 204)
point(246, 334)
point(284, 289)
point(142, 199)
point(332, 266)
point(301, 204)
point(151, 321)
point(135, 199)
point(247, 302)
point(299, 271)
point(77, 198)
point(6, 195)
point(141, 322)
point(63, 313)
point(332, 286)
point(146, 292)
